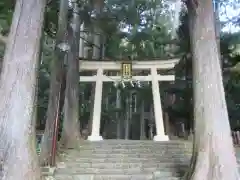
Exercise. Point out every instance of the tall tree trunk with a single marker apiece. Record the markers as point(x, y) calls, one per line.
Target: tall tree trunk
point(96, 45)
point(55, 84)
point(70, 137)
point(97, 33)
point(92, 98)
point(166, 122)
point(151, 123)
point(130, 115)
point(211, 160)
point(188, 93)
point(119, 125)
point(142, 122)
point(40, 56)
point(17, 90)
point(81, 41)
point(103, 47)
point(127, 118)
point(118, 114)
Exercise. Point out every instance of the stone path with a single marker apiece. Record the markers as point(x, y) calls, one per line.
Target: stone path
point(125, 160)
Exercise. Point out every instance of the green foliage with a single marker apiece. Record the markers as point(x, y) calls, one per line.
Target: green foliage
point(137, 28)
point(6, 12)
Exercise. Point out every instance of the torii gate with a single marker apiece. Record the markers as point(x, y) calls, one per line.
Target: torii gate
point(153, 77)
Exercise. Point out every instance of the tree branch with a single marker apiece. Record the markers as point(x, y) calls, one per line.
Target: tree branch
point(3, 39)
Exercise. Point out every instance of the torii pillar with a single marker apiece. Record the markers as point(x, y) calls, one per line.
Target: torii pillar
point(160, 132)
point(96, 121)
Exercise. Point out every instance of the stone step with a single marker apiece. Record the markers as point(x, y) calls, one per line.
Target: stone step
point(130, 150)
point(137, 146)
point(135, 178)
point(113, 177)
point(166, 178)
point(123, 141)
point(153, 145)
point(47, 170)
point(125, 165)
point(134, 147)
point(120, 158)
point(137, 150)
point(125, 160)
point(130, 154)
point(133, 155)
point(123, 157)
point(159, 175)
point(105, 177)
point(122, 163)
point(83, 153)
point(117, 145)
point(147, 150)
point(165, 172)
point(170, 178)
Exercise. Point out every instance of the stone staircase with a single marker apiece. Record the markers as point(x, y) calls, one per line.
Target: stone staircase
point(124, 160)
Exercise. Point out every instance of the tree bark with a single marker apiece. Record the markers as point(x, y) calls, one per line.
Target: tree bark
point(151, 123)
point(127, 118)
point(97, 33)
point(142, 121)
point(81, 41)
point(119, 125)
point(70, 137)
point(211, 160)
point(166, 123)
point(188, 94)
point(55, 84)
point(17, 90)
point(92, 98)
point(118, 114)
point(103, 47)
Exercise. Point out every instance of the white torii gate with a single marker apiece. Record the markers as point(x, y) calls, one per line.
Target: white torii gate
point(154, 77)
